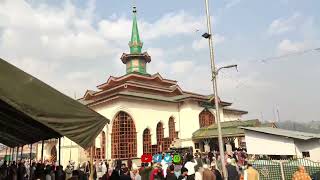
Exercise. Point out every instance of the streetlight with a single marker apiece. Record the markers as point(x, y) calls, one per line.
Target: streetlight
point(214, 73)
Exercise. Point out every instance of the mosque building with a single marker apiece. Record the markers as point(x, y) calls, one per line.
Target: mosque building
point(148, 113)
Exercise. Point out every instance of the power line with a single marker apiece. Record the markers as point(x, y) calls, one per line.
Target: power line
point(240, 83)
point(298, 53)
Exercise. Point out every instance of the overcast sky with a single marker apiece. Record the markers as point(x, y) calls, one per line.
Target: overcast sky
point(76, 45)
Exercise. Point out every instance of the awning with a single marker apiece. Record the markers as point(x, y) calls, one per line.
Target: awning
point(31, 110)
point(228, 128)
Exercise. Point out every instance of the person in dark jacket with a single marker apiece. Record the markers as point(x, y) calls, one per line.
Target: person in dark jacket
point(125, 175)
point(316, 176)
point(106, 175)
point(75, 175)
point(184, 174)
point(21, 171)
point(216, 171)
point(4, 170)
point(60, 174)
point(13, 171)
point(170, 173)
point(115, 175)
point(232, 171)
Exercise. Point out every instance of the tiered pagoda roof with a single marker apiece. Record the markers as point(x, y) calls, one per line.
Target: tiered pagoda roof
point(137, 83)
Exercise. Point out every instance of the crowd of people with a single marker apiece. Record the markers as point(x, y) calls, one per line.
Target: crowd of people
point(191, 167)
point(23, 170)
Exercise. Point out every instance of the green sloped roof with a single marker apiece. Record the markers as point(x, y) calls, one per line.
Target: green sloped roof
point(229, 129)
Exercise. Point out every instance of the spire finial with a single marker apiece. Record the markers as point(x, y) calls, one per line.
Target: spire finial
point(135, 44)
point(134, 9)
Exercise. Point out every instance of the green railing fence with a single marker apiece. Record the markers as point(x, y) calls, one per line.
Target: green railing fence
point(284, 169)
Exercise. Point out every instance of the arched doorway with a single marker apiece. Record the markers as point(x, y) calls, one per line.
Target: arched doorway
point(206, 118)
point(123, 137)
point(146, 139)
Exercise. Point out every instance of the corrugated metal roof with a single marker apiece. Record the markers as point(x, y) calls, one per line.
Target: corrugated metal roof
point(229, 129)
point(235, 110)
point(283, 132)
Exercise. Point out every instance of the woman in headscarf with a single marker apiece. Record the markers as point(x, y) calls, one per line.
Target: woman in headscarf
point(301, 174)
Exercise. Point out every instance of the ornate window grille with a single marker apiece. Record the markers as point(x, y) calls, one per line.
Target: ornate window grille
point(146, 142)
point(160, 136)
point(123, 137)
point(206, 118)
point(172, 129)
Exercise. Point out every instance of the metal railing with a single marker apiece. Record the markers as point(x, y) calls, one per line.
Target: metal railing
point(284, 169)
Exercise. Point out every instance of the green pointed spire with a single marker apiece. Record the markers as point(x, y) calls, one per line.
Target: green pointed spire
point(135, 44)
point(136, 61)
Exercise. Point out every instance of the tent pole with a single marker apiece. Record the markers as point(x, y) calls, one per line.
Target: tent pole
point(91, 163)
point(21, 153)
point(9, 155)
point(17, 154)
point(30, 154)
point(60, 151)
point(12, 154)
point(42, 151)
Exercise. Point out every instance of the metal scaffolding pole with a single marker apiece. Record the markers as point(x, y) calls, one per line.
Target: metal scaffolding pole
point(21, 153)
point(91, 163)
point(12, 154)
point(42, 144)
point(59, 151)
point(17, 154)
point(30, 155)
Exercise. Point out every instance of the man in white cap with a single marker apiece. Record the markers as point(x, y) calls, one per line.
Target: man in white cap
point(135, 172)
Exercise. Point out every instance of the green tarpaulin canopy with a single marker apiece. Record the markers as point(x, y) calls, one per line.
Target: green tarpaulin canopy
point(31, 110)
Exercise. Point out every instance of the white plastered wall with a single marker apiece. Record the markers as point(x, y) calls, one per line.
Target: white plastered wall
point(311, 146)
point(145, 114)
point(265, 144)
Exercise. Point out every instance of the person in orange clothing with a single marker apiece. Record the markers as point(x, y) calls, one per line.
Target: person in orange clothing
point(301, 174)
point(251, 173)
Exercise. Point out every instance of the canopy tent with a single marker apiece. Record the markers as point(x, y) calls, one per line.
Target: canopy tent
point(31, 110)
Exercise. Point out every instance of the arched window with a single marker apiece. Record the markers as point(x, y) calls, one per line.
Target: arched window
point(172, 129)
point(123, 137)
point(206, 118)
point(160, 136)
point(146, 141)
point(103, 145)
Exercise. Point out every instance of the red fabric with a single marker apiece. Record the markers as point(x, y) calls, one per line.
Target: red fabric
point(153, 173)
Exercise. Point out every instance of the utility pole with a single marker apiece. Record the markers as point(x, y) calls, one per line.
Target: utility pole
point(214, 74)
